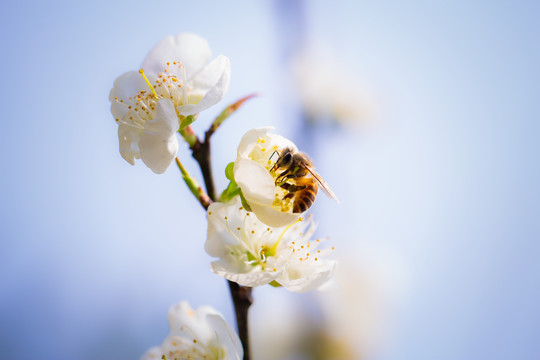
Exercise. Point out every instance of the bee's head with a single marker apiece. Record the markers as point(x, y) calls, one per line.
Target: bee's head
point(285, 159)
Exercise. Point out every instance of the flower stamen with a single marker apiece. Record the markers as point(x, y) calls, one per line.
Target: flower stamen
point(274, 248)
point(141, 71)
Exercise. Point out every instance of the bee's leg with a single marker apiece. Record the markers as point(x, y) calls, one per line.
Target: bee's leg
point(292, 189)
point(288, 196)
point(297, 173)
point(287, 186)
point(282, 177)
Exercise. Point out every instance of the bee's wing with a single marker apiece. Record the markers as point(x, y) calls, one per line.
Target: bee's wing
point(324, 185)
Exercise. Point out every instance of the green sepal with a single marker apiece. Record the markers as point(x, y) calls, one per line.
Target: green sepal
point(244, 201)
point(274, 283)
point(232, 189)
point(188, 120)
point(229, 172)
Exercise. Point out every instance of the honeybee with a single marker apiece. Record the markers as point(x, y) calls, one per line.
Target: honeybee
point(305, 181)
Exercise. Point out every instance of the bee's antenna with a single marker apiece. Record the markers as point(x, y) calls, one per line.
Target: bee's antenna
point(269, 162)
point(275, 151)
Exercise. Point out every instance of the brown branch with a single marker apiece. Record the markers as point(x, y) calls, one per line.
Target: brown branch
point(241, 295)
point(201, 153)
point(242, 300)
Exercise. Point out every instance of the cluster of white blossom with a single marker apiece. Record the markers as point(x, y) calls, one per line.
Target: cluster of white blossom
point(176, 80)
point(197, 334)
point(255, 233)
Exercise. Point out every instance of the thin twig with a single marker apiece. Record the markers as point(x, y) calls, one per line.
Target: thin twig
point(194, 187)
point(229, 110)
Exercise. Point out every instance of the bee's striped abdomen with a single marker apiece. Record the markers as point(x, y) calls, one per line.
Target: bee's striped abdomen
point(304, 198)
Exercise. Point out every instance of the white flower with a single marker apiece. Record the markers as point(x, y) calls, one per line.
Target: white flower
point(197, 334)
point(328, 91)
point(253, 176)
point(181, 82)
point(252, 254)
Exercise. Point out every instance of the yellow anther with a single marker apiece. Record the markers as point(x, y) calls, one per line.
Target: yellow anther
point(141, 71)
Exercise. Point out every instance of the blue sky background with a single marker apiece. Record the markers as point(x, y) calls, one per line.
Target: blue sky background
point(443, 181)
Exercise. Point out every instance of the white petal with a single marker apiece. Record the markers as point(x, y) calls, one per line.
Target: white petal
point(227, 337)
point(209, 76)
point(273, 217)
point(165, 119)
point(124, 87)
point(211, 83)
point(191, 50)
point(255, 181)
point(249, 140)
point(128, 139)
point(204, 326)
point(158, 144)
point(157, 151)
point(255, 277)
point(183, 315)
point(219, 237)
point(127, 85)
point(154, 353)
point(307, 279)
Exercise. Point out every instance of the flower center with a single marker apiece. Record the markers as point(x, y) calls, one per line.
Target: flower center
point(168, 85)
point(257, 243)
point(142, 106)
point(265, 154)
point(187, 346)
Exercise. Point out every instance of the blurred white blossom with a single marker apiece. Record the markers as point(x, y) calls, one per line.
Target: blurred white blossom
point(252, 254)
point(328, 91)
point(253, 176)
point(179, 80)
point(197, 334)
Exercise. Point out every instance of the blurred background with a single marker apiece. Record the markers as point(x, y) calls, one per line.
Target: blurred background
point(423, 116)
